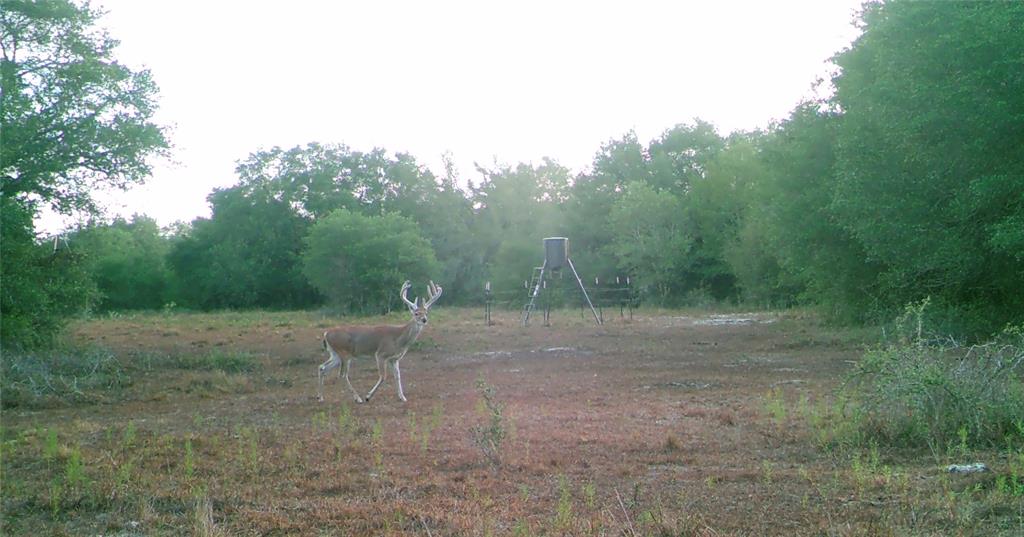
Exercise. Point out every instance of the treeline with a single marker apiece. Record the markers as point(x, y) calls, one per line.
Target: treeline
point(908, 182)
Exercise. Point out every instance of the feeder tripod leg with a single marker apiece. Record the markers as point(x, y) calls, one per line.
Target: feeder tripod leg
point(579, 281)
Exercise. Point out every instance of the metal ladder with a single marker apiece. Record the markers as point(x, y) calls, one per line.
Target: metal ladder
point(536, 281)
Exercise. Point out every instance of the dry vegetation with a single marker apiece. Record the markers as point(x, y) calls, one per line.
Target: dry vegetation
point(674, 423)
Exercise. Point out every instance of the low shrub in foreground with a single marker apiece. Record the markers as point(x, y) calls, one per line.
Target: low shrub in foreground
point(64, 376)
point(925, 392)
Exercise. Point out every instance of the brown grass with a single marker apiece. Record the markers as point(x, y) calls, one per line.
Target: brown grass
point(659, 426)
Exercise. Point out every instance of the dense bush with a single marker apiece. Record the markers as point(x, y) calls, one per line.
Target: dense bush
point(917, 391)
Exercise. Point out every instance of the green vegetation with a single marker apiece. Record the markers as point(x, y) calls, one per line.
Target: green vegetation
point(490, 436)
point(47, 378)
point(907, 182)
point(73, 119)
point(917, 390)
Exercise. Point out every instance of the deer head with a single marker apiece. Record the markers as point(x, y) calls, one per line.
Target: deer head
point(420, 307)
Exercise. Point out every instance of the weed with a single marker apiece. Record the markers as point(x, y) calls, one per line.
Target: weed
point(489, 437)
point(50, 445)
point(248, 448)
point(344, 419)
point(590, 495)
point(376, 436)
point(710, 482)
point(320, 420)
point(767, 473)
point(563, 512)
point(128, 438)
point(190, 460)
point(74, 469)
point(775, 405)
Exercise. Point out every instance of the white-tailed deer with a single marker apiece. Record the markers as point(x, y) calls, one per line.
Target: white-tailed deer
point(386, 343)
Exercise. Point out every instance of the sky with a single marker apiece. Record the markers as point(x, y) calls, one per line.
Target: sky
point(486, 82)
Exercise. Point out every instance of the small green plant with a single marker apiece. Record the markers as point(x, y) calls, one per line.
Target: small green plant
point(344, 419)
point(376, 435)
point(248, 448)
point(190, 460)
point(775, 405)
point(377, 431)
point(74, 469)
point(128, 438)
point(590, 495)
point(56, 494)
point(563, 512)
point(124, 475)
point(50, 446)
point(489, 437)
point(767, 473)
point(524, 492)
point(320, 420)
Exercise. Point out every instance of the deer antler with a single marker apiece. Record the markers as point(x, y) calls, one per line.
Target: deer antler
point(405, 289)
point(434, 291)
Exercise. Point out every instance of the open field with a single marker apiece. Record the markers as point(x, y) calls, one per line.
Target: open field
point(674, 423)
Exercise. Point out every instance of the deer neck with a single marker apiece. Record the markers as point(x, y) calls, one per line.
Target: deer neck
point(410, 332)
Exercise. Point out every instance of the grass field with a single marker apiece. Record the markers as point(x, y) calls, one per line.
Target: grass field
point(672, 423)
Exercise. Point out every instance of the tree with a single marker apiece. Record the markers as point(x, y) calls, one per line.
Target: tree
point(317, 179)
point(681, 156)
point(71, 119)
point(246, 255)
point(616, 164)
point(128, 262)
point(43, 284)
point(930, 164)
point(652, 242)
point(359, 262)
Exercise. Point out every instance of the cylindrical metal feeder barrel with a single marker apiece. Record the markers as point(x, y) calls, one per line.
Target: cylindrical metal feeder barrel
point(556, 252)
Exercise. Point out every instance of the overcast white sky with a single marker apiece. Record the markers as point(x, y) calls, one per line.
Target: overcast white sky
point(485, 81)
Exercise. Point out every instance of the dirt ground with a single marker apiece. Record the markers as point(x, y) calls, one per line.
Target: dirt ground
point(659, 425)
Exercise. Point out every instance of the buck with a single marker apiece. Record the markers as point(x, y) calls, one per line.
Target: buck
point(386, 343)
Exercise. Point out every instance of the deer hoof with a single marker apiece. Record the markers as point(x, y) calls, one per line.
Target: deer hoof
point(360, 400)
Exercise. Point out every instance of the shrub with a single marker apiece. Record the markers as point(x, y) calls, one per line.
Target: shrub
point(489, 437)
point(66, 376)
point(926, 391)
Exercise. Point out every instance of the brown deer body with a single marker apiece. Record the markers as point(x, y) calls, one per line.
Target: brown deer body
point(386, 343)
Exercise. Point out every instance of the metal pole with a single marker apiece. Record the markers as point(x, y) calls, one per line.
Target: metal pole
point(579, 281)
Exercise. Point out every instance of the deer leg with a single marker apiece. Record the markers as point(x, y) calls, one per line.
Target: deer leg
point(382, 373)
point(325, 368)
point(398, 377)
point(348, 363)
point(398, 381)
